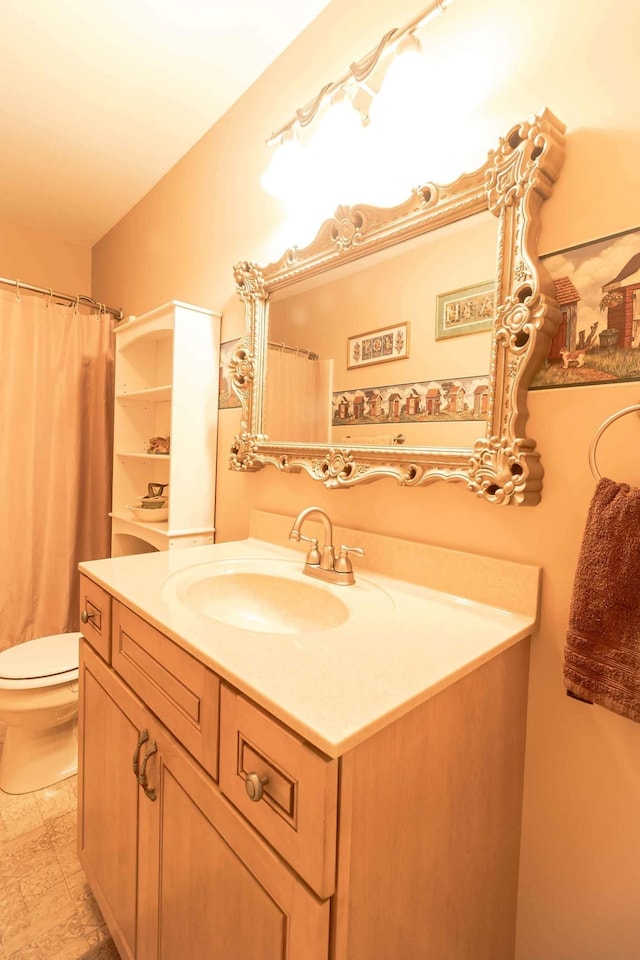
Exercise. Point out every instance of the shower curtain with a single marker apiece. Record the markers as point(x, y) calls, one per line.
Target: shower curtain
point(56, 403)
point(297, 398)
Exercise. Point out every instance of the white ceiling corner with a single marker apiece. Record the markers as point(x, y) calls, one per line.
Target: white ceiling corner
point(100, 98)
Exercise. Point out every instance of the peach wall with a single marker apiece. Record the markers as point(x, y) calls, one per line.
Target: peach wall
point(580, 863)
point(44, 260)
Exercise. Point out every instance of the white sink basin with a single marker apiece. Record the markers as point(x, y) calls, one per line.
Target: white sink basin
point(272, 596)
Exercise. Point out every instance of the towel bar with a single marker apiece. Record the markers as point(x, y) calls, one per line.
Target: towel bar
point(601, 429)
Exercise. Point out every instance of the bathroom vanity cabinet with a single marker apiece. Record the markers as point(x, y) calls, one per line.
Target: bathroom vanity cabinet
point(166, 385)
point(210, 828)
point(175, 869)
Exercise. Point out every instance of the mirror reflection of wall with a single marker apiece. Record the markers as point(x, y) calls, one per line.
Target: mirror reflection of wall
point(431, 388)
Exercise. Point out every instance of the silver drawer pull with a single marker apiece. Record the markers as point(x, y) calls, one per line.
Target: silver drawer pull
point(254, 784)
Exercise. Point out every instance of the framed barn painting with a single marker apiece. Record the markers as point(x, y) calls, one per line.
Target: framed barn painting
point(597, 287)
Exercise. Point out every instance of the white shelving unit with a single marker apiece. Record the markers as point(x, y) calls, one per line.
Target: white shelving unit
point(167, 377)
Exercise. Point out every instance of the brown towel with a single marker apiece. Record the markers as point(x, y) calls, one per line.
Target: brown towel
point(602, 651)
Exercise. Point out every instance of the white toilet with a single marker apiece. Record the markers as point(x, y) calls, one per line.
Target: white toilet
point(39, 704)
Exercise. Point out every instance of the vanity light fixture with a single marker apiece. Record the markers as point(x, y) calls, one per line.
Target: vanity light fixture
point(358, 88)
point(360, 70)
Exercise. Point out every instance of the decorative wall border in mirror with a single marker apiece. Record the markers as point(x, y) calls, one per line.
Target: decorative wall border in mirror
point(502, 466)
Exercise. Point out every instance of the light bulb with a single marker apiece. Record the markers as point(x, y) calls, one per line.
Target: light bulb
point(286, 168)
point(407, 81)
point(400, 136)
point(334, 155)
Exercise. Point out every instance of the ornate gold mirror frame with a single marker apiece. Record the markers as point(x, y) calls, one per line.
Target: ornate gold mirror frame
point(503, 465)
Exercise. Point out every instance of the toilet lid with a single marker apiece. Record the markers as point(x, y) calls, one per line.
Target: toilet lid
point(42, 657)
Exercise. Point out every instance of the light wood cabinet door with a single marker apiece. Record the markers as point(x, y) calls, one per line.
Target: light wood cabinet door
point(176, 871)
point(111, 719)
point(298, 811)
point(209, 885)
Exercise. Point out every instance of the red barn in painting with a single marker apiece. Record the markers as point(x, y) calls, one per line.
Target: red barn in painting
point(621, 300)
point(566, 337)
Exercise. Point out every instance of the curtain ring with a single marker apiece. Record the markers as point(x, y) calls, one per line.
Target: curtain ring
point(50, 295)
point(18, 297)
point(75, 306)
point(601, 429)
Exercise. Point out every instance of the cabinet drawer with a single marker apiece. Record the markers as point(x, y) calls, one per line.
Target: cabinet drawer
point(182, 692)
point(297, 811)
point(95, 608)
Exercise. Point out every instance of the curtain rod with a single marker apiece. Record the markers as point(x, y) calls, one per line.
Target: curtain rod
point(285, 348)
point(89, 301)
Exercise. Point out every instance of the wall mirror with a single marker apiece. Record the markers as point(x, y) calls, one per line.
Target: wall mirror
point(401, 341)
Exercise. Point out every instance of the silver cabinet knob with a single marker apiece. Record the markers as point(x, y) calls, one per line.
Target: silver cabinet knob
point(254, 784)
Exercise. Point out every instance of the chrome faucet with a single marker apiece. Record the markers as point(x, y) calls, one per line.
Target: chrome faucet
point(323, 563)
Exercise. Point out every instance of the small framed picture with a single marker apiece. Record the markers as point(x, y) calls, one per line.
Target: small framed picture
point(378, 346)
point(466, 310)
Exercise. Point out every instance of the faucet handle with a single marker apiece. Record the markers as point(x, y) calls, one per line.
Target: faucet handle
point(298, 537)
point(343, 563)
point(313, 557)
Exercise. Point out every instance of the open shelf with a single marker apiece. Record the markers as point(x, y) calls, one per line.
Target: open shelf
point(166, 382)
point(134, 455)
point(152, 394)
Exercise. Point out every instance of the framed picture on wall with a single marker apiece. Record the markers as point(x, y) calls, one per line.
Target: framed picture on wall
point(597, 287)
point(466, 310)
point(378, 346)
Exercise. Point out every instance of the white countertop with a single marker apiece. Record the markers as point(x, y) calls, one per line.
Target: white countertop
point(335, 687)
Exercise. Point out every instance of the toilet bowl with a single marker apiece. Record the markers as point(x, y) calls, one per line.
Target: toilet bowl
point(39, 705)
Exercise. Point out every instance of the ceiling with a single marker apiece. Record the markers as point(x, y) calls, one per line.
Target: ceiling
point(100, 98)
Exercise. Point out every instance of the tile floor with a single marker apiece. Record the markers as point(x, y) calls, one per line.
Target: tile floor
point(47, 911)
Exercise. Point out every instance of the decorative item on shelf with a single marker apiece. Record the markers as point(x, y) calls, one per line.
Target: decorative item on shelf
point(153, 507)
point(155, 491)
point(149, 513)
point(148, 516)
point(159, 445)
